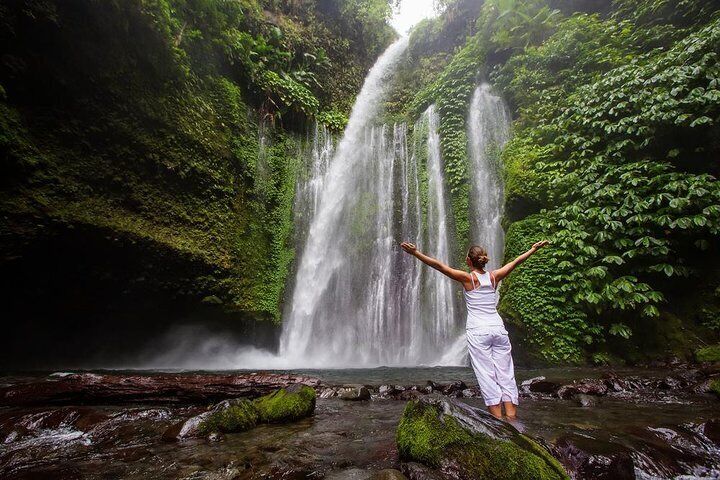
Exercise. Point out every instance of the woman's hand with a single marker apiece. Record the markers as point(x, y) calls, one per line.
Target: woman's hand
point(409, 248)
point(538, 245)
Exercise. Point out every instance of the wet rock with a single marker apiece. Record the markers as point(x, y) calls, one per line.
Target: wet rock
point(588, 386)
point(354, 392)
point(418, 471)
point(388, 474)
point(409, 394)
point(90, 388)
point(468, 442)
point(614, 463)
point(454, 389)
point(215, 437)
point(328, 393)
point(715, 386)
point(431, 387)
point(539, 385)
point(386, 390)
point(191, 428)
point(470, 393)
point(286, 405)
point(711, 429)
point(585, 400)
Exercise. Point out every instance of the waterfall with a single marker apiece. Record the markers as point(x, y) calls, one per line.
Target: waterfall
point(358, 300)
point(439, 300)
point(488, 132)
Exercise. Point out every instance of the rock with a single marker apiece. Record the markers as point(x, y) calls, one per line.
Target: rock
point(708, 354)
point(354, 392)
point(539, 385)
point(468, 442)
point(386, 390)
point(409, 394)
point(711, 429)
point(388, 474)
point(191, 428)
point(328, 393)
point(216, 437)
point(430, 387)
point(715, 386)
point(614, 464)
point(585, 400)
point(239, 414)
point(89, 388)
point(454, 389)
point(588, 386)
point(418, 471)
point(286, 405)
point(470, 393)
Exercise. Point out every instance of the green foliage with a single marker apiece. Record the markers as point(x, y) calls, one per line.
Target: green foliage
point(426, 435)
point(452, 92)
point(285, 406)
point(708, 354)
point(534, 297)
point(629, 202)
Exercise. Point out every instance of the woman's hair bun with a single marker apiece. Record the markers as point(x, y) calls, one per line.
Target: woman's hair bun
point(478, 256)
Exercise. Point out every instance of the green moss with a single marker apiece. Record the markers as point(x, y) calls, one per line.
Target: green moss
point(238, 416)
point(426, 435)
point(286, 405)
point(708, 354)
point(715, 387)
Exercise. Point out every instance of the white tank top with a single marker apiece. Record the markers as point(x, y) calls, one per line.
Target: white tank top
point(481, 304)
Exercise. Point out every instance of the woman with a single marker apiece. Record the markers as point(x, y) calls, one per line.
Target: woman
point(488, 342)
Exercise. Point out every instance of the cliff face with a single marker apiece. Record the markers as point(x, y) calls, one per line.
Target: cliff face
point(133, 175)
point(615, 108)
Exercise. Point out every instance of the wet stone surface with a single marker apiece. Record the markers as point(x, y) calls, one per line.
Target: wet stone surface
point(637, 427)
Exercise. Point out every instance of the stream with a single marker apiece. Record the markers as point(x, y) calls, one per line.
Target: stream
point(663, 433)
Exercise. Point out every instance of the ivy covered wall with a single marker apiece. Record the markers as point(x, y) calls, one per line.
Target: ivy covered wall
point(140, 120)
point(612, 159)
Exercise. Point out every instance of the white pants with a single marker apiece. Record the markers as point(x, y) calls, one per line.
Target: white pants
point(490, 354)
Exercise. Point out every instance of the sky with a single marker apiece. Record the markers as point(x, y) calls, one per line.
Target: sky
point(410, 13)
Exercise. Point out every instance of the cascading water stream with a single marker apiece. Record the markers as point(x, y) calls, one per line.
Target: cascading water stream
point(488, 129)
point(357, 300)
point(488, 132)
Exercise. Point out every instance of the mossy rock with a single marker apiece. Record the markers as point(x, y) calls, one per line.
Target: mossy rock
point(230, 416)
point(286, 405)
point(715, 387)
point(708, 354)
point(447, 434)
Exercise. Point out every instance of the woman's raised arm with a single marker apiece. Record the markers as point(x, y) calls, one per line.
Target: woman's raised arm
point(458, 275)
point(505, 270)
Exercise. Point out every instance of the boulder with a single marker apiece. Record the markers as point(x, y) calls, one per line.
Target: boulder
point(585, 400)
point(539, 385)
point(467, 442)
point(418, 471)
point(454, 389)
point(354, 392)
point(588, 386)
point(239, 414)
point(328, 392)
point(286, 405)
point(615, 463)
point(386, 390)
